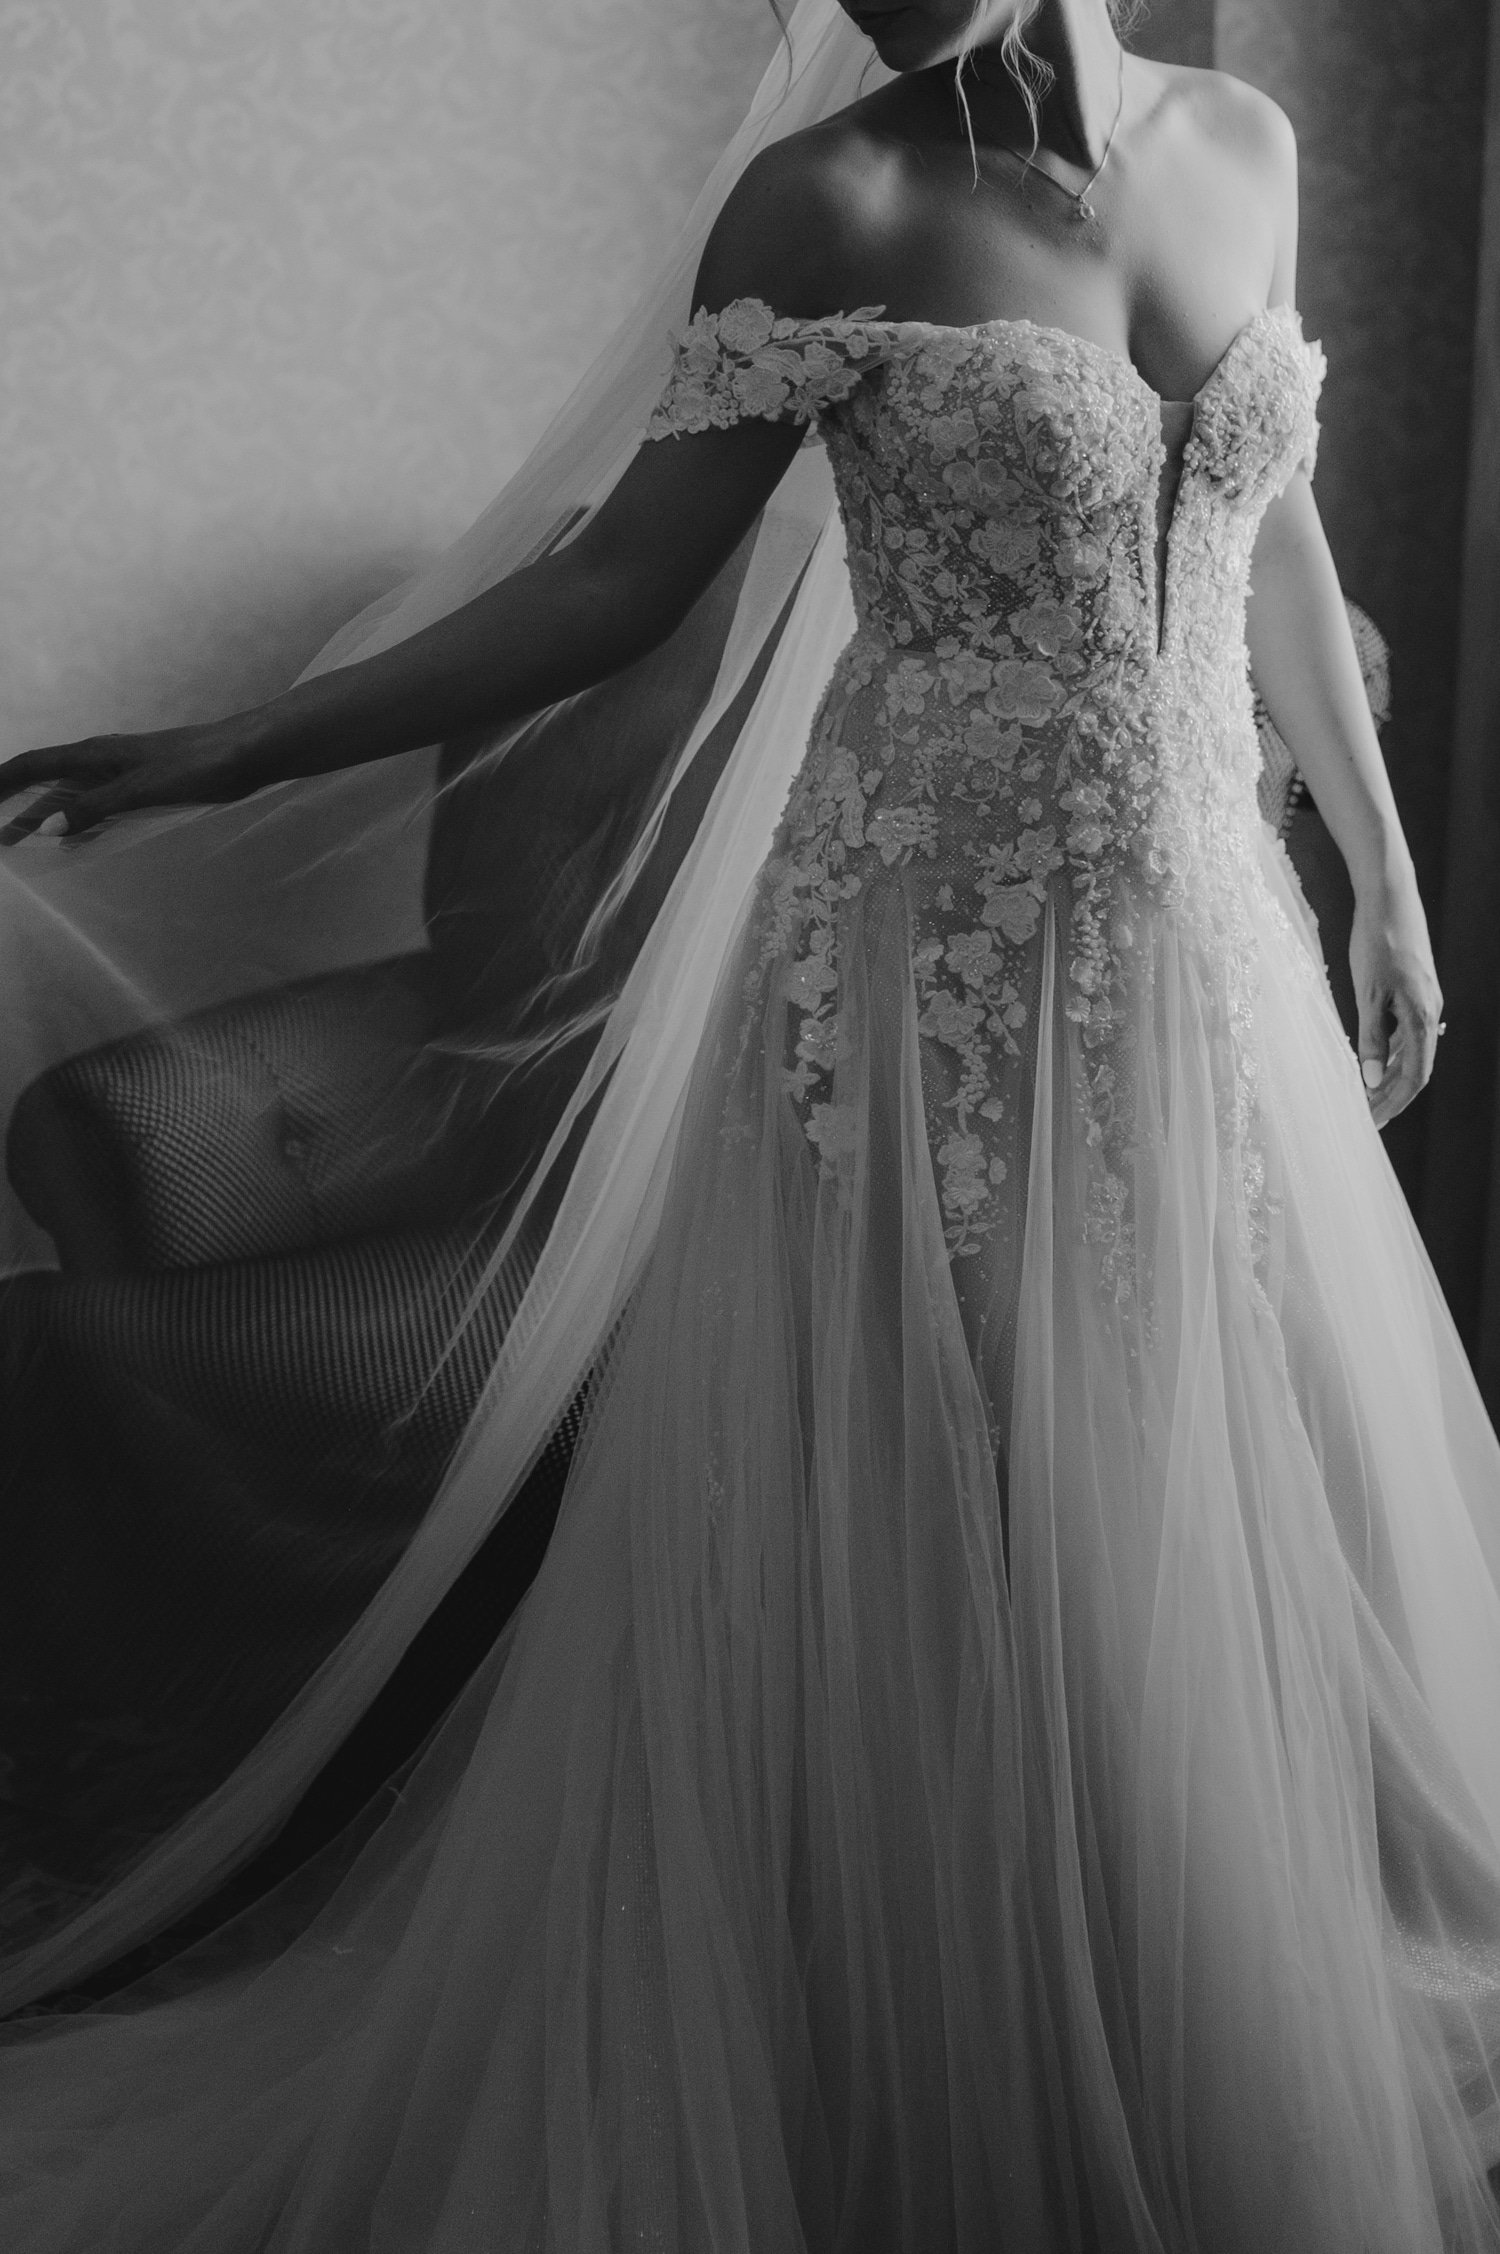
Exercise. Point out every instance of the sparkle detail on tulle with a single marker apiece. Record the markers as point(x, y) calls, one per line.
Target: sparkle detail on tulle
point(1014, 732)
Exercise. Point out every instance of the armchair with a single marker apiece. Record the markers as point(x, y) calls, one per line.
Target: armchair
point(230, 1404)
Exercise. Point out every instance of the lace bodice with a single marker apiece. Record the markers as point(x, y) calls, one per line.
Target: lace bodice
point(1021, 713)
point(1000, 461)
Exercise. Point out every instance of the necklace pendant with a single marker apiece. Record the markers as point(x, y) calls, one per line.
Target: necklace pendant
point(1083, 209)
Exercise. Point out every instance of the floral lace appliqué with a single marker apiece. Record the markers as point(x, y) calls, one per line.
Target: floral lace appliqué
point(1008, 738)
point(746, 360)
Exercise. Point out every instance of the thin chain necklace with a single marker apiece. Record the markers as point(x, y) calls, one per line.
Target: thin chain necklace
point(1078, 197)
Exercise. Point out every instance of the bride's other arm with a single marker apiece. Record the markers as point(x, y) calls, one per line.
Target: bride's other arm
point(1307, 670)
point(587, 610)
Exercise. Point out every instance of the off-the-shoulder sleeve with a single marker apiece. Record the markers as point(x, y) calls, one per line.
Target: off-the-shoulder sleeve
point(747, 360)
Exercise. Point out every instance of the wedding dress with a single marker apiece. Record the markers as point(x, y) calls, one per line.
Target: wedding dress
point(1001, 1751)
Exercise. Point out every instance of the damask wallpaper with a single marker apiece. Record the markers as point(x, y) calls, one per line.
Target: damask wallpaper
point(286, 287)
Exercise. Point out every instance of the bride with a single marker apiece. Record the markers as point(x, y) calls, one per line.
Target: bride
point(1001, 1750)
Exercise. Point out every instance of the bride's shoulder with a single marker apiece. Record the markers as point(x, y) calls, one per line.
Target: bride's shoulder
point(1227, 116)
point(801, 228)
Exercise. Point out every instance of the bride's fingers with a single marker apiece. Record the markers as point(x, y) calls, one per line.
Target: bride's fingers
point(1417, 1024)
point(1409, 1057)
point(67, 768)
point(1374, 1044)
point(77, 811)
point(64, 771)
point(70, 810)
point(138, 790)
point(84, 815)
point(1380, 1060)
point(47, 816)
point(26, 769)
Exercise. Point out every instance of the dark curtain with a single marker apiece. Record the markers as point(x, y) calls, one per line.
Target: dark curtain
point(1397, 112)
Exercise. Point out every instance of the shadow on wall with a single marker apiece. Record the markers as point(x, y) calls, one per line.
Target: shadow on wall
point(216, 626)
point(236, 629)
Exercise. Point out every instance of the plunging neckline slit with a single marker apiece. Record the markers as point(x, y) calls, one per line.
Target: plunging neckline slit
point(1170, 476)
point(1171, 466)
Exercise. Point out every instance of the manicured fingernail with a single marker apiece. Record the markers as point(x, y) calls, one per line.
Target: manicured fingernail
point(1373, 1071)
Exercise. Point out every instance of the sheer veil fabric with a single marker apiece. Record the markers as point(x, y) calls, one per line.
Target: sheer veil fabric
point(987, 1761)
point(156, 920)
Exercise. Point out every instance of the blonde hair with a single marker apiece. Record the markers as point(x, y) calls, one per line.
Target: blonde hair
point(1031, 74)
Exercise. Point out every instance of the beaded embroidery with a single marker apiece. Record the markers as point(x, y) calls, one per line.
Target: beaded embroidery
point(1004, 737)
point(747, 360)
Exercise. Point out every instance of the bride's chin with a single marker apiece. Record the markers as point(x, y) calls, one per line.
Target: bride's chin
point(904, 38)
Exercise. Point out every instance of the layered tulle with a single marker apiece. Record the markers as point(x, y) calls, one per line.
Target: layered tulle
point(295, 1092)
point(997, 1755)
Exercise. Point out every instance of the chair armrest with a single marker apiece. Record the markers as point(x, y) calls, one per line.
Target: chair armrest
point(290, 1118)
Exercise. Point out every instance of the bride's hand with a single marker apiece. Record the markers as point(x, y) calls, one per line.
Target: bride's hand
point(1400, 1001)
point(84, 784)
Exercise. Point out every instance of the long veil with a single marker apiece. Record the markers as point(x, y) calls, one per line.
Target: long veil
point(346, 1111)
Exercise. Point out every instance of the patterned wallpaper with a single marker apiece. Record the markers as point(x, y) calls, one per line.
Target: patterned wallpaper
point(286, 286)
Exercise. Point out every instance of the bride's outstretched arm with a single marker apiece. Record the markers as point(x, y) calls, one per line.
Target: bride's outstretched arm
point(1306, 668)
point(585, 611)
point(562, 624)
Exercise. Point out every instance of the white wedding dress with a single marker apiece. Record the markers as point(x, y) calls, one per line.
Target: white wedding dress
point(1004, 1749)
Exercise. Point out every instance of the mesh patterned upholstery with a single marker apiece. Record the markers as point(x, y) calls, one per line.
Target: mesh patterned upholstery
point(340, 1349)
point(380, 1098)
point(293, 1118)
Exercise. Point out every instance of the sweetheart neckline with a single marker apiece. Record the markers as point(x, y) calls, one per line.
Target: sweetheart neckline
point(1091, 344)
point(1162, 533)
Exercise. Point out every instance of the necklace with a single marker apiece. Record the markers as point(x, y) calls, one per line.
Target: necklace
point(1079, 197)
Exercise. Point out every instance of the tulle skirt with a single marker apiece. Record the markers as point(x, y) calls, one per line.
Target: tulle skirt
point(1001, 1753)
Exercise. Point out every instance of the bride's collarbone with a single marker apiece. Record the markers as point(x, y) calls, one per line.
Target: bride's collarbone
point(1172, 307)
point(1174, 329)
point(1161, 276)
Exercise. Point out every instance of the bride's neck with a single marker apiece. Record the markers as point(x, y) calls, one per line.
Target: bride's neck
point(1076, 39)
